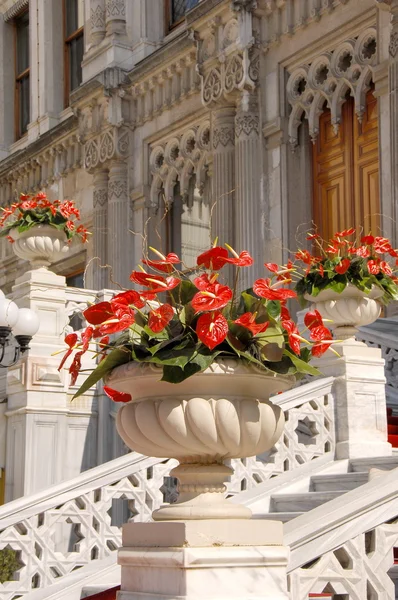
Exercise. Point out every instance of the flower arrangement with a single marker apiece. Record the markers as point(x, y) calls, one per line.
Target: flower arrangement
point(200, 320)
point(31, 211)
point(370, 262)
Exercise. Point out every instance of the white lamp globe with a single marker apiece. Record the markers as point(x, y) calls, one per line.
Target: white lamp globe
point(8, 313)
point(2, 296)
point(28, 323)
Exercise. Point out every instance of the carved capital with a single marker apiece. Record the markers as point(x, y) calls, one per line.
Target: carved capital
point(393, 46)
point(223, 135)
point(240, 5)
point(109, 145)
point(246, 125)
point(117, 189)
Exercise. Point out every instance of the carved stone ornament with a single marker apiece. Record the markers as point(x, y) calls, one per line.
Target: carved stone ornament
point(246, 125)
point(100, 197)
point(223, 135)
point(111, 144)
point(348, 68)
point(248, 5)
point(115, 9)
point(117, 189)
point(97, 17)
point(393, 46)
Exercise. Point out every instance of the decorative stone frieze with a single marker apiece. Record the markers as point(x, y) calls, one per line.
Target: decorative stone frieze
point(348, 68)
point(97, 21)
point(109, 145)
point(178, 159)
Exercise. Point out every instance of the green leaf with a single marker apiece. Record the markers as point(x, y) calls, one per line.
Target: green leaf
point(301, 365)
point(274, 309)
point(337, 286)
point(272, 335)
point(161, 335)
point(184, 292)
point(116, 357)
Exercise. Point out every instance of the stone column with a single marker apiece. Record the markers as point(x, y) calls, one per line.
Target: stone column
point(204, 560)
point(97, 21)
point(393, 95)
point(116, 17)
point(360, 397)
point(100, 229)
point(223, 208)
point(119, 257)
point(249, 212)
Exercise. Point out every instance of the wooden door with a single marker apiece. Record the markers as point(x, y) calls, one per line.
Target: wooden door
point(346, 171)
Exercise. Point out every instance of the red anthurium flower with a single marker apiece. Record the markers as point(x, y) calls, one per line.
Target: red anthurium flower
point(321, 335)
point(263, 288)
point(212, 329)
point(243, 260)
point(321, 270)
point(214, 297)
point(160, 317)
point(373, 267)
point(204, 281)
point(86, 337)
point(367, 239)
point(70, 340)
point(343, 266)
point(363, 251)
point(382, 245)
point(345, 232)
point(98, 313)
point(115, 325)
point(169, 284)
point(75, 367)
point(313, 236)
point(393, 253)
point(385, 267)
point(147, 279)
point(165, 264)
point(248, 320)
point(293, 335)
point(116, 396)
point(313, 319)
point(304, 256)
point(129, 297)
point(285, 314)
point(273, 267)
point(213, 259)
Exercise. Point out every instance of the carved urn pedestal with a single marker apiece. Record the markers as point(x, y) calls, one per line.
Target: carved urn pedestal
point(41, 245)
point(203, 546)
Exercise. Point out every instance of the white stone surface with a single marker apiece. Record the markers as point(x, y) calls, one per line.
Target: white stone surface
point(40, 245)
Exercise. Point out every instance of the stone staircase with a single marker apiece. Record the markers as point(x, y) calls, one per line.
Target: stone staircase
point(287, 504)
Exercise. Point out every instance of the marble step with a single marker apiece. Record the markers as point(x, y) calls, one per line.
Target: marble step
point(301, 502)
point(338, 481)
point(278, 516)
point(365, 464)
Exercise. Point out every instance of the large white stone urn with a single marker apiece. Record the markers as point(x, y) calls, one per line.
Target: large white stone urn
point(41, 245)
point(347, 311)
point(222, 413)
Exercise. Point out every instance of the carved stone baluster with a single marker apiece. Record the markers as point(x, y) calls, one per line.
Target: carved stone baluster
point(97, 21)
point(223, 212)
point(100, 229)
point(249, 213)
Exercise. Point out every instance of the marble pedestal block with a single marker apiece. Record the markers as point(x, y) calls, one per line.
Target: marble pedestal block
point(203, 560)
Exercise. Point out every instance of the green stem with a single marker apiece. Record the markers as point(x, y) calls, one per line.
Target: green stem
point(234, 291)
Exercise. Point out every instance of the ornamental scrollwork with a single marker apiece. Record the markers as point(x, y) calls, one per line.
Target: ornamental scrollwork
point(212, 87)
point(246, 125)
point(117, 189)
point(347, 68)
point(109, 145)
point(223, 135)
point(233, 73)
point(393, 47)
point(115, 9)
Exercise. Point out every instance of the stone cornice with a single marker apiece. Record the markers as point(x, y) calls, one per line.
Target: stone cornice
point(18, 7)
point(46, 140)
point(202, 9)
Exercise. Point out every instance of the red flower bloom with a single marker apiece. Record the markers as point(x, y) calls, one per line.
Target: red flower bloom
point(321, 270)
point(86, 337)
point(116, 396)
point(273, 267)
point(160, 317)
point(293, 335)
point(115, 325)
point(320, 335)
point(363, 251)
point(244, 260)
point(313, 236)
point(313, 319)
point(98, 313)
point(304, 256)
point(156, 283)
point(263, 288)
point(345, 232)
point(367, 239)
point(70, 340)
point(248, 320)
point(75, 367)
point(374, 267)
point(165, 265)
point(203, 281)
point(343, 266)
point(385, 267)
point(382, 245)
point(213, 259)
point(212, 329)
point(214, 297)
point(285, 314)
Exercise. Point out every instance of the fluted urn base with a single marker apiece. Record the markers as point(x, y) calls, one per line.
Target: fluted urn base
point(220, 414)
point(41, 245)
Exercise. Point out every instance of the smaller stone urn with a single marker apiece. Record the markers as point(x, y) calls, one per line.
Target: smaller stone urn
point(347, 311)
point(222, 413)
point(41, 245)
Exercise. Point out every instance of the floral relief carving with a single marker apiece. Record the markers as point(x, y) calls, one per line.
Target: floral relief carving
point(107, 146)
point(100, 197)
point(97, 17)
point(348, 68)
point(212, 87)
point(113, 143)
point(115, 9)
point(246, 125)
point(123, 143)
point(91, 155)
point(223, 135)
point(233, 73)
point(117, 189)
point(393, 47)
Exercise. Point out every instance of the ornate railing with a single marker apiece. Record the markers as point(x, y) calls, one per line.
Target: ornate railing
point(69, 525)
point(383, 334)
point(346, 547)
